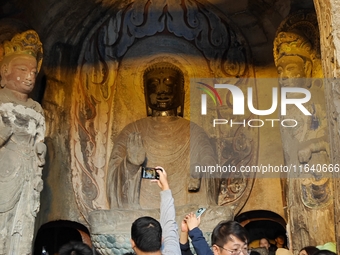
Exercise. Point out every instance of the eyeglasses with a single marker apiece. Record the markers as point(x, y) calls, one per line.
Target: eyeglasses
point(245, 251)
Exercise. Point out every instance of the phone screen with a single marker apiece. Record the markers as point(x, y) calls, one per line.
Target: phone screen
point(200, 211)
point(149, 173)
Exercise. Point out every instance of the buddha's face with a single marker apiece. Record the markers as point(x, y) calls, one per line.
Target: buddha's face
point(163, 89)
point(19, 73)
point(291, 69)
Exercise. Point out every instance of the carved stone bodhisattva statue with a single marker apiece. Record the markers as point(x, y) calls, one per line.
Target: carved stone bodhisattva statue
point(22, 151)
point(305, 145)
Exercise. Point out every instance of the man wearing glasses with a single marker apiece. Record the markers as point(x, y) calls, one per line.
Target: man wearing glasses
point(227, 238)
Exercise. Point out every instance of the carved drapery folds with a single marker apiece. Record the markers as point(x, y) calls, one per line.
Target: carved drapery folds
point(109, 94)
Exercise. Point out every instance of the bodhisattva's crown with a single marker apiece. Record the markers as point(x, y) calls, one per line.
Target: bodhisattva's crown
point(27, 42)
point(292, 44)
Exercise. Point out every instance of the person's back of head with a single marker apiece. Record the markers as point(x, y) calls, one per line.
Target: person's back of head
point(225, 230)
point(308, 250)
point(146, 234)
point(75, 248)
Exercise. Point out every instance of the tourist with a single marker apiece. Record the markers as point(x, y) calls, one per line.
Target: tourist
point(146, 232)
point(264, 242)
point(227, 236)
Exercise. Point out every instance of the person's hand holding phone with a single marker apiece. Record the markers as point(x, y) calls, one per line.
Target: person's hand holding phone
point(163, 180)
point(192, 221)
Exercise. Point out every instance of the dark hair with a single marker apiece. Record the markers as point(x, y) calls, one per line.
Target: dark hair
point(324, 252)
point(311, 250)
point(75, 248)
point(146, 232)
point(281, 236)
point(223, 230)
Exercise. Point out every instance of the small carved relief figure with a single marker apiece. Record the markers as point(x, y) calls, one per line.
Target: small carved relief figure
point(22, 151)
point(164, 138)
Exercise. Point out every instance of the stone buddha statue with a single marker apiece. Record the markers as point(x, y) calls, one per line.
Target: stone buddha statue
point(166, 139)
point(22, 151)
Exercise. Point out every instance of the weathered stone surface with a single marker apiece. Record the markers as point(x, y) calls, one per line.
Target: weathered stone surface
point(329, 20)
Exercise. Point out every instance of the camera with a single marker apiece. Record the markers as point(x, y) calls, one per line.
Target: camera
point(150, 173)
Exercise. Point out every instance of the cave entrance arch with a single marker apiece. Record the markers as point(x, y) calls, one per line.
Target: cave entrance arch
point(262, 223)
point(55, 234)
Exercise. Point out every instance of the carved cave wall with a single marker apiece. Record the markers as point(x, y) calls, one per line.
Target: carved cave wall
point(91, 85)
point(83, 117)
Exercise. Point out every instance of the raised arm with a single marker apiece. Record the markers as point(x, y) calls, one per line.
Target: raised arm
point(167, 211)
point(198, 241)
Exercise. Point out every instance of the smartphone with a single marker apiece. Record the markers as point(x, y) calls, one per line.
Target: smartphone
point(200, 211)
point(150, 173)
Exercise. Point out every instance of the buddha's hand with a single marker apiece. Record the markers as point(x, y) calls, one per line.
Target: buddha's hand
point(136, 152)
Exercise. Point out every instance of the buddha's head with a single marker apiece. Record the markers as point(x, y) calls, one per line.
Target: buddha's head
point(163, 89)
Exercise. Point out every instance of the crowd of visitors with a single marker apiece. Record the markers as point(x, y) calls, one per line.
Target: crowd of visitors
point(152, 237)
